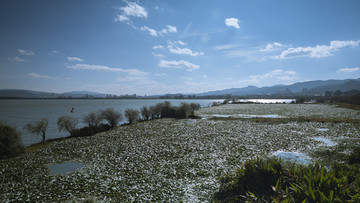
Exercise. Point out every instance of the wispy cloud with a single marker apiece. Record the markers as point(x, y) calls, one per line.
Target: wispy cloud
point(232, 22)
point(178, 64)
point(158, 47)
point(226, 46)
point(106, 68)
point(36, 75)
point(17, 59)
point(318, 51)
point(25, 53)
point(54, 52)
point(272, 47)
point(132, 9)
point(275, 75)
point(173, 48)
point(349, 70)
point(156, 33)
point(75, 59)
point(158, 55)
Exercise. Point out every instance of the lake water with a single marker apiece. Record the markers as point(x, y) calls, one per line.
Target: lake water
point(18, 113)
point(267, 101)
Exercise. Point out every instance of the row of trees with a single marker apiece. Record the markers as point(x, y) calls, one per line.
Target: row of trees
point(94, 120)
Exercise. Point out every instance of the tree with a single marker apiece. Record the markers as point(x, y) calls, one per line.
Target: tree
point(67, 123)
point(155, 111)
point(132, 115)
point(10, 142)
point(38, 128)
point(145, 113)
point(111, 116)
point(93, 119)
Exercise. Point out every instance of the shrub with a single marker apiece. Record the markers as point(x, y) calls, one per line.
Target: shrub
point(67, 123)
point(38, 128)
point(88, 131)
point(111, 116)
point(183, 110)
point(155, 111)
point(167, 111)
point(145, 113)
point(132, 115)
point(93, 119)
point(10, 142)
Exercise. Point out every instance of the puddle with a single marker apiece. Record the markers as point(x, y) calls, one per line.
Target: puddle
point(322, 129)
point(65, 167)
point(326, 141)
point(258, 116)
point(293, 156)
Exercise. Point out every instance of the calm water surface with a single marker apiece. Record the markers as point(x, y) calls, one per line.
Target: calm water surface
point(18, 113)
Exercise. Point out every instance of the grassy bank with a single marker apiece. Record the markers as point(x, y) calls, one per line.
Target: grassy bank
point(169, 159)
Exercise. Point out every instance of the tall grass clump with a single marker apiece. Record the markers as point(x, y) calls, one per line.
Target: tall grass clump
point(275, 181)
point(10, 142)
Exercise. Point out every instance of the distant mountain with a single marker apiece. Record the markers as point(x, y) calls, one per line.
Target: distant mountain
point(309, 87)
point(29, 94)
point(15, 93)
point(83, 94)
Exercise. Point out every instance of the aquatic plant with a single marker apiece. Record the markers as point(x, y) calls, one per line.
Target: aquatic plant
point(39, 128)
point(10, 142)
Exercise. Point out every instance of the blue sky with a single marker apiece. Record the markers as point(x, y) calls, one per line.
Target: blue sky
point(163, 46)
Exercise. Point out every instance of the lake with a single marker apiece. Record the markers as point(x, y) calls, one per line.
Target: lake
point(18, 113)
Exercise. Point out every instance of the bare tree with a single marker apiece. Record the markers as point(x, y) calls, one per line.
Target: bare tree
point(67, 123)
point(39, 128)
point(132, 115)
point(145, 113)
point(93, 119)
point(111, 116)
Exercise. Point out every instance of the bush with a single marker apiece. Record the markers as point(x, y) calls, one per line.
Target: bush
point(88, 131)
point(145, 113)
point(93, 119)
point(67, 123)
point(155, 111)
point(10, 142)
point(132, 115)
point(38, 128)
point(111, 116)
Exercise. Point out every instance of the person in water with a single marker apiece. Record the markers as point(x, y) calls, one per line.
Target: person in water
point(72, 110)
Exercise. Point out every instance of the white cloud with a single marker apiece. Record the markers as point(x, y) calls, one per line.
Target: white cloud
point(271, 47)
point(36, 75)
point(178, 64)
point(184, 51)
point(205, 76)
point(226, 46)
point(275, 75)
point(155, 33)
point(16, 58)
point(25, 53)
point(319, 51)
point(54, 52)
point(158, 47)
point(106, 68)
point(74, 59)
point(232, 22)
point(349, 70)
point(131, 9)
point(158, 55)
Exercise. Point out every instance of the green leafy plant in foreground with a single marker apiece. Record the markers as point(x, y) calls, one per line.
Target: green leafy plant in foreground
point(10, 142)
point(276, 181)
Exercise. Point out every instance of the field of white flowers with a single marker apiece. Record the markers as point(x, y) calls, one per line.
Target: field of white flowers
point(168, 160)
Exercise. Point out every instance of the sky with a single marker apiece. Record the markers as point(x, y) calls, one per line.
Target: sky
point(150, 47)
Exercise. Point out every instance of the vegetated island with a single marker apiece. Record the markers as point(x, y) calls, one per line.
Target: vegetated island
point(230, 155)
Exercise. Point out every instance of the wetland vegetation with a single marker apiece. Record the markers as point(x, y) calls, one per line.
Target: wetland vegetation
point(194, 160)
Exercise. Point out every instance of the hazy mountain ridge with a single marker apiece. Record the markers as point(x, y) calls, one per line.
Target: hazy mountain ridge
point(308, 87)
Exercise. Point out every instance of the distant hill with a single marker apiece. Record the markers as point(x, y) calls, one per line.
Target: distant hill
point(309, 87)
point(29, 94)
point(15, 93)
point(317, 87)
